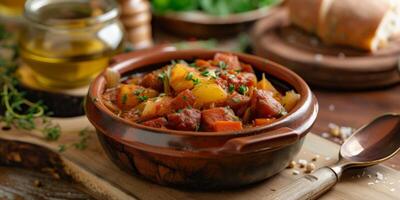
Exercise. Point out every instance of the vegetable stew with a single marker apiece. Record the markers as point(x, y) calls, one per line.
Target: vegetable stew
point(222, 94)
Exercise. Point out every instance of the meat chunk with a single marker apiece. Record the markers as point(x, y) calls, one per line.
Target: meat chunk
point(186, 120)
point(183, 100)
point(264, 104)
point(160, 122)
point(210, 116)
point(231, 61)
point(152, 80)
point(238, 103)
point(240, 79)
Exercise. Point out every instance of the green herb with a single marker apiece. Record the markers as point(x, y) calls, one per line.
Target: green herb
point(243, 89)
point(196, 81)
point(205, 73)
point(189, 76)
point(193, 65)
point(81, 144)
point(173, 62)
point(143, 98)
point(162, 75)
point(184, 98)
point(213, 7)
point(138, 91)
point(18, 111)
point(62, 148)
point(231, 88)
point(214, 74)
point(179, 111)
point(222, 65)
point(124, 98)
point(83, 138)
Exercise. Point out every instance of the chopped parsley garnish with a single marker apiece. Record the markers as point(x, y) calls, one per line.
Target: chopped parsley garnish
point(189, 76)
point(162, 75)
point(193, 65)
point(222, 65)
point(179, 111)
point(184, 98)
point(231, 88)
point(143, 98)
point(124, 98)
point(196, 81)
point(138, 92)
point(243, 89)
point(205, 73)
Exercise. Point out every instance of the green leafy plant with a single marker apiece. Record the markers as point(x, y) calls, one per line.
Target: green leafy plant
point(16, 110)
point(81, 144)
point(213, 7)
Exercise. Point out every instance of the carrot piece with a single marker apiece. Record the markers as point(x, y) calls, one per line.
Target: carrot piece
point(263, 121)
point(228, 126)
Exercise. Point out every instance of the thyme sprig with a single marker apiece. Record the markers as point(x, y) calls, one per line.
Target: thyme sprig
point(15, 109)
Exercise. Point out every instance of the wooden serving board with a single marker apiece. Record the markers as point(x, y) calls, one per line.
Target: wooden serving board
point(328, 66)
point(102, 178)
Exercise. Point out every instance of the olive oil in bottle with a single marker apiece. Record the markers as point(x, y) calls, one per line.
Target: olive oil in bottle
point(11, 7)
point(68, 42)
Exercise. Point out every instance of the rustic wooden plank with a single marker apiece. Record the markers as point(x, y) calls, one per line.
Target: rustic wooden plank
point(18, 183)
point(356, 108)
point(105, 178)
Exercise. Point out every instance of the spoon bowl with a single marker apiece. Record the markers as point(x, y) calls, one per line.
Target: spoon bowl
point(374, 142)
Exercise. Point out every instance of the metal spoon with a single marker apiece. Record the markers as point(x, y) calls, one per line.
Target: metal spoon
point(371, 144)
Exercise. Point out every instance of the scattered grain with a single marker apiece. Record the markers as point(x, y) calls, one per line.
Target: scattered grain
point(315, 158)
point(310, 167)
point(292, 164)
point(379, 176)
point(302, 163)
point(325, 135)
point(37, 183)
point(328, 158)
point(295, 172)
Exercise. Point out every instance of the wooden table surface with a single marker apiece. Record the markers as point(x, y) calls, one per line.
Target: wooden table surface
point(354, 109)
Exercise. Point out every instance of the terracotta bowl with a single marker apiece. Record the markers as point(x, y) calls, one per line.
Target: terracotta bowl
point(202, 160)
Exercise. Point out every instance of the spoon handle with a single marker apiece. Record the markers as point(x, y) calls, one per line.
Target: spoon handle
point(308, 187)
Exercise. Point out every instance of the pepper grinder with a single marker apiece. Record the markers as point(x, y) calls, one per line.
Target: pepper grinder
point(136, 18)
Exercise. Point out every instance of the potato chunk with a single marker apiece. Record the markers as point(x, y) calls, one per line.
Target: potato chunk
point(128, 96)
point(183, 77)
point(209, 93)
point(290, 100)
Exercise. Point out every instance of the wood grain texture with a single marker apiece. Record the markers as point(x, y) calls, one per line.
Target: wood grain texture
point(17, 183)
point(310, 186)
point(324, 65)
point(104, 176)
point(355, 109)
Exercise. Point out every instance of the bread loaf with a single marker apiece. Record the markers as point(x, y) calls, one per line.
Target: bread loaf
point(366, 24)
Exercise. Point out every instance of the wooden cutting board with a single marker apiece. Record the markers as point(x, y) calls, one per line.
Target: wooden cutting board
point(328, 66)
point(94, 170)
